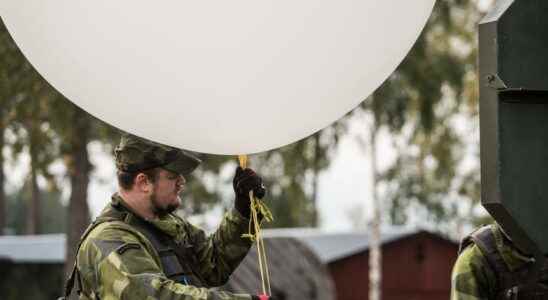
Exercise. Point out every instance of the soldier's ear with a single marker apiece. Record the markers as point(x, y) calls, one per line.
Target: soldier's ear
point(143, 183)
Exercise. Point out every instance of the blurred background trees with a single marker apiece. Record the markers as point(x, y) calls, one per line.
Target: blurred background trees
point(429, 109)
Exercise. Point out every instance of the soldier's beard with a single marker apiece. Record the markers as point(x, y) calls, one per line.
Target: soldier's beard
point(161, 210)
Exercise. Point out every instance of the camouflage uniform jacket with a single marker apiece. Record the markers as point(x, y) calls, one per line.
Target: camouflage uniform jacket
point(117, 261)
point(473, 278)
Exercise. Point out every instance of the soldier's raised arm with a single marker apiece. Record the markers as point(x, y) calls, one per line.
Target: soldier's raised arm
point(220, 253)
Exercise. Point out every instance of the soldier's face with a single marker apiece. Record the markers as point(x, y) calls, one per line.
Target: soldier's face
point(165, 195)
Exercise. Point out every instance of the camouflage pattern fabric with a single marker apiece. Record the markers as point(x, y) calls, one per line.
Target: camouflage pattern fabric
point(115, 261)
point(138, 154)
point(473, 278)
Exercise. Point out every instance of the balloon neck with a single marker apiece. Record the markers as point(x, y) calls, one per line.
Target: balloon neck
point(243, 161)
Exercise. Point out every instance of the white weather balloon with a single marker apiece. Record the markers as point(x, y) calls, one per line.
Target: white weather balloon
point(216, 76)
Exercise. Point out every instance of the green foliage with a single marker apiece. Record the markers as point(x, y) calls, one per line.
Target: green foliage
point(25, 111)
point(291, 174)
point(418, 104)
point(52, 211)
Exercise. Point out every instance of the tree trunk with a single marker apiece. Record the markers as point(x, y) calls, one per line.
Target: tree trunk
point(33, 217)
point(375, 254)
point(315, 179)
point(79, 168)
point(2, 183)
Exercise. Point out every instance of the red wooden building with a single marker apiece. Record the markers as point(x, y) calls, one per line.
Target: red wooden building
point(416, 264)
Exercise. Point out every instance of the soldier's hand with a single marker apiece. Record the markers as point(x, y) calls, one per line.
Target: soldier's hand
point(261, 297)
point(246, 180)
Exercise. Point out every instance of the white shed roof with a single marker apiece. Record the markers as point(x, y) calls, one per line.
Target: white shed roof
point(46, 248)
point(333, 246)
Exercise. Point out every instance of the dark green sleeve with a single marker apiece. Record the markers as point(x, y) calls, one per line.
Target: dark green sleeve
point(117, 264)
point(472, 278)
point(220, 253)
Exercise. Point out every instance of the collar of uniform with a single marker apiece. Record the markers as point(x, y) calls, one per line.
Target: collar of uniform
point(118, 202)
point(168, 224)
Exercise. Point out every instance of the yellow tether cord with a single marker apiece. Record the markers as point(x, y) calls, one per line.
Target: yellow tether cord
point(256, 206)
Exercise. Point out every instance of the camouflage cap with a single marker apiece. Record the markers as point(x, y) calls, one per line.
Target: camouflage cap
point(135, 154)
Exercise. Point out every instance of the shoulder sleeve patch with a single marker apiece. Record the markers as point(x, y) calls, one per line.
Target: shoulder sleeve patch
point(126, 247)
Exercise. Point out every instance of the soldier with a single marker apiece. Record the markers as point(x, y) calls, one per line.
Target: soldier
point(490, 266)
point(137, 248)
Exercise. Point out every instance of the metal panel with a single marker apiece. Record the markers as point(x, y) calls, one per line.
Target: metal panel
point(523, 165)
point(513, 41)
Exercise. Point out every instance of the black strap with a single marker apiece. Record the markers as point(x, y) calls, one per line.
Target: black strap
point(468, 240)
point(522, 284)
point(485, 240)
point(69, 284)
point(174, 257)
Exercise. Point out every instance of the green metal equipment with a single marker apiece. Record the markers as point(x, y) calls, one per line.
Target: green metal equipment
point(513, 39)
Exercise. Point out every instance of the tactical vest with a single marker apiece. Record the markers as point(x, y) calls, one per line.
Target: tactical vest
point(521, 284)
point(177, 258)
